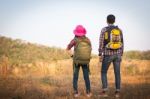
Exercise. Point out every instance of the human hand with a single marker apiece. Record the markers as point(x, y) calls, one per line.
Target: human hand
point(100, 58)
point(69, 52)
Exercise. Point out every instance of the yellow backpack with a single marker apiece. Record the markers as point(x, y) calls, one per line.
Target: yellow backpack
point(113, 38)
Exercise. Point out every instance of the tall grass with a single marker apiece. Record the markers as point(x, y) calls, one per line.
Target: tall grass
point(19, 52)
point(54, 80)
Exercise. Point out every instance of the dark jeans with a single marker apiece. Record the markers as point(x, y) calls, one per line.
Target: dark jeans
point(116, 59)
point(85, 70)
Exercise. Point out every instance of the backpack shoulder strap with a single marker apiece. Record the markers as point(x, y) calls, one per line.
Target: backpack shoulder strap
point(77, 40)
point(86, 39)
point(109, 28)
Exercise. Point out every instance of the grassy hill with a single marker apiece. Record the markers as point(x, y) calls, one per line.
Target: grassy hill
point(19, 51)
point(141, 55)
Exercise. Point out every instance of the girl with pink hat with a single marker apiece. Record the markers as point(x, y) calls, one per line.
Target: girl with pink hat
point(81, 58)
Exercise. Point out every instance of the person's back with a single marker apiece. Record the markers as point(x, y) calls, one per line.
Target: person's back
point(105, 40)
point(110, 50)
point(81, 58)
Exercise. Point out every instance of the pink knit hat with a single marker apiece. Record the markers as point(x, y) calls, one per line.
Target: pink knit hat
point(79, 30)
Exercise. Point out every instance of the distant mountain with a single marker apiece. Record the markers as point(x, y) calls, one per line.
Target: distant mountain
point(19, 51)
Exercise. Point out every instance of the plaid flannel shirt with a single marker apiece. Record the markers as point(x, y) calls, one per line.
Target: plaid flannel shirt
point(103, 50)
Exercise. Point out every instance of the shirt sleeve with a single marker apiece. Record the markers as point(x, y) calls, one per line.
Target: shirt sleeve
point(101, 42)
point(71, 44)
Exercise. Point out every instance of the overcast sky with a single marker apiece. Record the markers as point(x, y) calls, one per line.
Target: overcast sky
point(51, 22)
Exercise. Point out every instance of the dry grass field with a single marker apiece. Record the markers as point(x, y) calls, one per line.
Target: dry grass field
point(53, 80)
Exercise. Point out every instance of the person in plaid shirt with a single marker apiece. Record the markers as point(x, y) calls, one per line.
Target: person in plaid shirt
point(107, 56)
